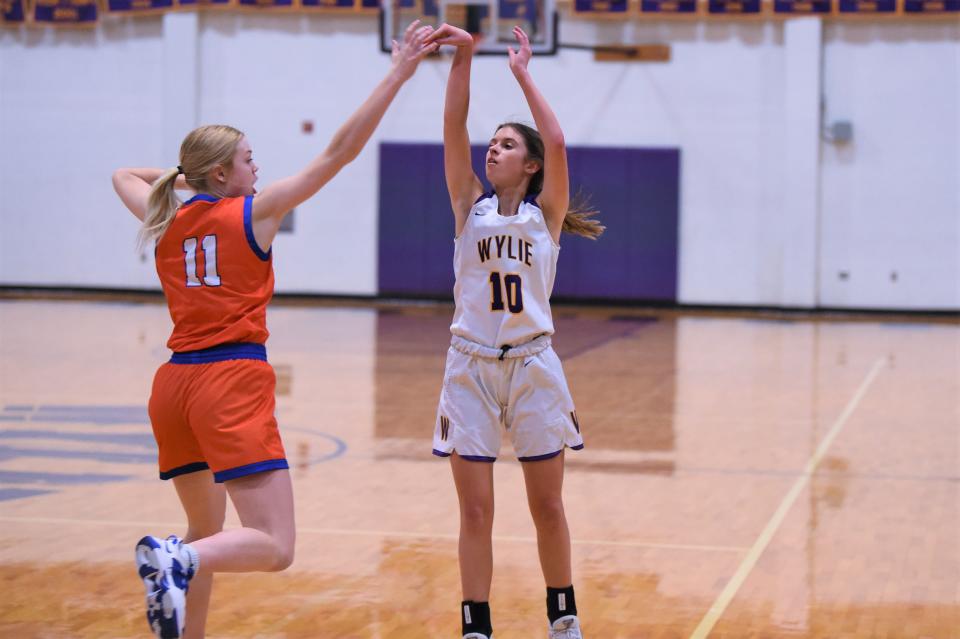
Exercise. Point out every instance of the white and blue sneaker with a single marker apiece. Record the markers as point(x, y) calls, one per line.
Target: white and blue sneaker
point(166, 568)
point(565, 628)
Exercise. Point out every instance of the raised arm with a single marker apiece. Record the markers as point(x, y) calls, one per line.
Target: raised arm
point(133, 187)
point(555, 197)
point(462, 184)
point(271, 204)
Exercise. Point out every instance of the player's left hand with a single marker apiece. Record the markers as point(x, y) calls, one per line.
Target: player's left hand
point(415, 48)
point(519, 59)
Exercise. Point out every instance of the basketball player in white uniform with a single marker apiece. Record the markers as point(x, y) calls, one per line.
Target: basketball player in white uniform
point(501, 373)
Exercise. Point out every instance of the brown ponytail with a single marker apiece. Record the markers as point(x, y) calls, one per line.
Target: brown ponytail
point(578, 220)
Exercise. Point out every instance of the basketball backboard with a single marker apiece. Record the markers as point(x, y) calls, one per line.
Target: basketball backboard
point(491, 20)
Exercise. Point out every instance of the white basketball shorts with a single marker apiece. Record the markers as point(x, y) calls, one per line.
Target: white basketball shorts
point(524, 393)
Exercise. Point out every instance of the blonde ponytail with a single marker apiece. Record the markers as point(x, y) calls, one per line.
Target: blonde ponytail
point(579, 218)
point(204, 149)
point(162, 205)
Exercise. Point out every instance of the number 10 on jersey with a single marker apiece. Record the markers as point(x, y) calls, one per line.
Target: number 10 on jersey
point(509, 287)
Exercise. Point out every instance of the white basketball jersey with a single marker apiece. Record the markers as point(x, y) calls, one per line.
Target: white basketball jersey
point(505, 266)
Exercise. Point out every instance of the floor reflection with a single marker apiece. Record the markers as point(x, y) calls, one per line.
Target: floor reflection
point(620, 370)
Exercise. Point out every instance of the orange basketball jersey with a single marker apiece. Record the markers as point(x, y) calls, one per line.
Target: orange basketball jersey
point(215, 277)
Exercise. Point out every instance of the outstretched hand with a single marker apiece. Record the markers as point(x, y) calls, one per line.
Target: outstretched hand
point(451, 35)
point(520, 58)
point(415, 48)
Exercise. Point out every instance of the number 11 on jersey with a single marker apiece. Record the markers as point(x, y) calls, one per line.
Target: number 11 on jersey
point(514, 292)
point(210, 275)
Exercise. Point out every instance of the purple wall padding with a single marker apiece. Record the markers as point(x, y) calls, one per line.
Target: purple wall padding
point(636, 190)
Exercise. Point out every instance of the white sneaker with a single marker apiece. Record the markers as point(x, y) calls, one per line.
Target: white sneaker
point(166, 570)
point(565, 628)
point(476, 635)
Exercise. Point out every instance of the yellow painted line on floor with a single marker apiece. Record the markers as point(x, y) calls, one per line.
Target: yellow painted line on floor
point(750, 560)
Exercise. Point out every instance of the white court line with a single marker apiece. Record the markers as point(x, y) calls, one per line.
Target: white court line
point(729, 592)
point(347, 532)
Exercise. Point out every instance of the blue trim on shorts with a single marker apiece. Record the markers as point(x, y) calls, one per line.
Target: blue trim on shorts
point(476, 458)
point(548, 455)
point(540, 457)
point(250, 469)
point(184, 470)
point(248, 229)
point(221, 353)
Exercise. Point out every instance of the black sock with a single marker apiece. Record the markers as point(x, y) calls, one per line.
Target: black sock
point(475, 617)
point(560, 603)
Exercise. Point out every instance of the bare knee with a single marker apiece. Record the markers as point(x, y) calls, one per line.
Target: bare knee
point(476, 515)
point(284, 556)
point(548, 513)
point(284, 561)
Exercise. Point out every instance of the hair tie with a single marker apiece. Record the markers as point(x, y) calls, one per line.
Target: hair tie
point(179, 170)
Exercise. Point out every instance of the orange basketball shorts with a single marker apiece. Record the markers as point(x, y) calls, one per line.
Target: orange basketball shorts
point(217, 415)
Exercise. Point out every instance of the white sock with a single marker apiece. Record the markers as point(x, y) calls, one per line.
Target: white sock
point(193, 556)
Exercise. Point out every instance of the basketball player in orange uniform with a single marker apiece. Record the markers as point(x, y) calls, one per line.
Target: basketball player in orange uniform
point(212, 404)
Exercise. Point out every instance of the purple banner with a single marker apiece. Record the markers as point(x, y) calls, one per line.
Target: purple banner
point(668, 6)
point(65, 12)
point(348, 5)
point(138, 6)
point(868, 6)
point(733, 6)
point(931, 6)
point(600, 6)
point(802, 6)
point(206, 4)
point(12, 12)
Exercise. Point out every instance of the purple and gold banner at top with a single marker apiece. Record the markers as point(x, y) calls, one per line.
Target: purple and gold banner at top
point(802, 7)
point(64, 12)
point(206, 4)
point(86, 12)
point(258, 5)
point(733, 7)
point(669, 6)
point(12, 12)
point(868, 6)
point(138, 6)
point(602, 7)
point(931, 6)
point(342, 5)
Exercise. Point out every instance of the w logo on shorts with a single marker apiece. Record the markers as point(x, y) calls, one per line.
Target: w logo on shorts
point(576, 422)
point(444, 427)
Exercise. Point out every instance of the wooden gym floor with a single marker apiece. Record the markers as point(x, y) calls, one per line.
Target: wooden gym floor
point(743, 477)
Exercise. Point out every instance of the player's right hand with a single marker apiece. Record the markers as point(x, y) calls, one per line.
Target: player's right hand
point(447, 34)
point(415, 48)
